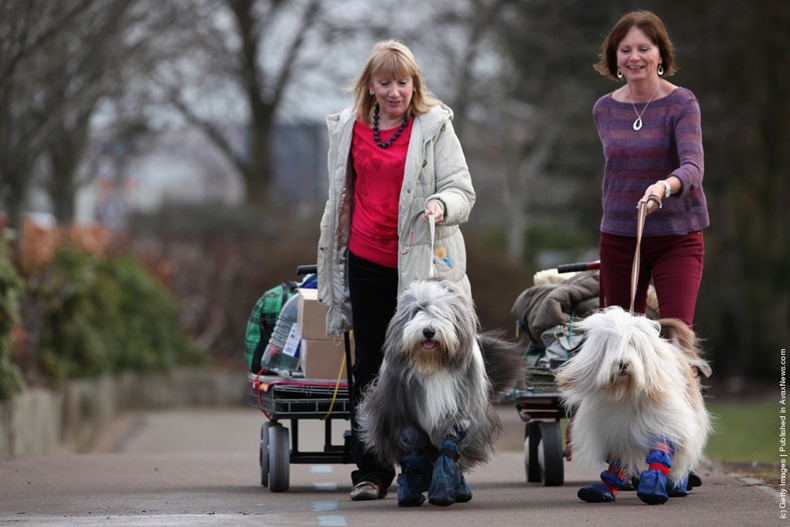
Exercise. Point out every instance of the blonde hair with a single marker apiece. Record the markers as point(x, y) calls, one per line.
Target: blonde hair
point(390, 58)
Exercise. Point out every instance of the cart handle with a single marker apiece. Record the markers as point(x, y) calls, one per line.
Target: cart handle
point(306, 269)
point(581, 266)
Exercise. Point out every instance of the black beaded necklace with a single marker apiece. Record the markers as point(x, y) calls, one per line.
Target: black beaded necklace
point(376, 129)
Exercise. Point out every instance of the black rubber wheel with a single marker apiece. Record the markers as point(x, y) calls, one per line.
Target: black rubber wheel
point(531, 444)
point(552, 468)
point(263, 453)
point(279, 459)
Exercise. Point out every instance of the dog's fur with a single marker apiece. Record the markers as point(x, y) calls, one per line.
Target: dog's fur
point(683, 337)
point(628, 386)
point(439, 375)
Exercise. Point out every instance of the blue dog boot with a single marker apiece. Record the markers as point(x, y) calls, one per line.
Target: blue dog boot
point(612, 479)
point(596, 493)
point(441, 491)
point(414, 479)
point(678, 490)
point(693, 480)
point(408, 493)
point(462, 491)
point(652, 487)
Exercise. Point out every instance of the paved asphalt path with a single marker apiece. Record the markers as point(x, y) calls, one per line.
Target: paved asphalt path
point(199, 467)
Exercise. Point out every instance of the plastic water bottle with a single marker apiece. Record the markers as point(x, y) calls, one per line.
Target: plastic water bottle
point(280, 353)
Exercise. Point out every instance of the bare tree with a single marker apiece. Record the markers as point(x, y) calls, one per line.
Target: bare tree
point(255, 47)
point(265, 54)
point(83, 68)
point(60, 62)
point(26, 122)
point(524, 115)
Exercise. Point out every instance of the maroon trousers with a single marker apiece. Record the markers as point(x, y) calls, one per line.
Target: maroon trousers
point(674, 263)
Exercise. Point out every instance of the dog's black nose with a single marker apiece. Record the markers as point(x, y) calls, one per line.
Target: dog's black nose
point(428, 333)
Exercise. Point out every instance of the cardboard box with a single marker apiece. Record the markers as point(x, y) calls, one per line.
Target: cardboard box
point(311, 318)
point(323, 359)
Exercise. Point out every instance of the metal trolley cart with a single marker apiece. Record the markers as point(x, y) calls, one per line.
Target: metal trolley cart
point(538, 405)
point(282, 398)
point(290, 396)
point(537, 401)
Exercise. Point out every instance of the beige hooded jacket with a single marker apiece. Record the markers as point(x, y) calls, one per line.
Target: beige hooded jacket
point(435, 169)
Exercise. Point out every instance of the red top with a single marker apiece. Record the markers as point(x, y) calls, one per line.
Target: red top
point(379, 177)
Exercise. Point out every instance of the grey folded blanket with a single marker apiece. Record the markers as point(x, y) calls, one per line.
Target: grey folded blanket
point(541, 307)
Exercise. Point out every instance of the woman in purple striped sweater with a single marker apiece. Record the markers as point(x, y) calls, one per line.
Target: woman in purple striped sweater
point(652, 142)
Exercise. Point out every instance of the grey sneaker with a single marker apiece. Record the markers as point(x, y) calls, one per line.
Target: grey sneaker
point(364, 491)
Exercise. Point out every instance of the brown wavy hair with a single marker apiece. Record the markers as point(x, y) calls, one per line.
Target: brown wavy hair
point(652, 26)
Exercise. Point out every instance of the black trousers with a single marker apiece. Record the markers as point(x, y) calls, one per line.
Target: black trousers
point(373, 291)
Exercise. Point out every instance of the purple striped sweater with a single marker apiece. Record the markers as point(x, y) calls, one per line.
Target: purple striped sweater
point(669, 144)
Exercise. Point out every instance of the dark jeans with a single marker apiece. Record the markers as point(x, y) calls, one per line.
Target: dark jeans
point(373, 291)
point(673, 262)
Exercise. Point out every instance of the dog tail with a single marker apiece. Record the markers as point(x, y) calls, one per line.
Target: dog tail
point(503, 360)
point(682, 336)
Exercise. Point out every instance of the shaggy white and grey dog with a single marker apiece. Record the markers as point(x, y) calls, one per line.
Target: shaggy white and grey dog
point(636, 403)
point(432, 400)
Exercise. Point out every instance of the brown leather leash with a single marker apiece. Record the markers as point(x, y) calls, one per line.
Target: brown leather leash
point(640, 225)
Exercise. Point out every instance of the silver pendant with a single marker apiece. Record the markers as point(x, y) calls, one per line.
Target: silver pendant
point(638, 124)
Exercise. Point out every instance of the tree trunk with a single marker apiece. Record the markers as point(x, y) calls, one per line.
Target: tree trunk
point(259, 173)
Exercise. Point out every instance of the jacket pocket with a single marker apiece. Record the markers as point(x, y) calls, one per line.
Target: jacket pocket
point(444, 266)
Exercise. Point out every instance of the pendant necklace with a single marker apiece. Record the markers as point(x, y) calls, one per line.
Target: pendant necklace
point(638, 123)
point(376, 129)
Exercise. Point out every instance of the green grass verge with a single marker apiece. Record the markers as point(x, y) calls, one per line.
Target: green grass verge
point(745, 432)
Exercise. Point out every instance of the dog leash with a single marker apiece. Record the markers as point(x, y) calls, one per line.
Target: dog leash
point(432, 226)
point(640, 225)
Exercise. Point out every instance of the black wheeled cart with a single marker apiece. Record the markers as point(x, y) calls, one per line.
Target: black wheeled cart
point(537, 401)
point(288, 397)
point(538, 404)
point(291, 400)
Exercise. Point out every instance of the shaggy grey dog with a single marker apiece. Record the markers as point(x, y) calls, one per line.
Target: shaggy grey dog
point(438, 380)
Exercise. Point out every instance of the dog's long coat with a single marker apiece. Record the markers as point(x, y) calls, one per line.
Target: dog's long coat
point(627, 387)
point(437, 379)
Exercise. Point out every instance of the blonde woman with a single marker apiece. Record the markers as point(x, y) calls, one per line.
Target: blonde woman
point(394, 160)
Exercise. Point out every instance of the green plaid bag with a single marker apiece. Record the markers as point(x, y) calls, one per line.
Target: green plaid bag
point(262, 320)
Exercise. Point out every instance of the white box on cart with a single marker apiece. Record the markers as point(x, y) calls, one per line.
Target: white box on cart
point(311, 316)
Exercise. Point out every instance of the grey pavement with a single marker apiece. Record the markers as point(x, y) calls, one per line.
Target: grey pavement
point(199, 467)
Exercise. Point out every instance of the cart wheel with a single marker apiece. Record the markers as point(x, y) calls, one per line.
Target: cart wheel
point(552, 470)
point(531, 444)
point(279, 458)
point(263, 453)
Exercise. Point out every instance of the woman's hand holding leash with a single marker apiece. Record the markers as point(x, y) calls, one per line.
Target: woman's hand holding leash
point(655, 195)
point(652, 199)
point(434, 208)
